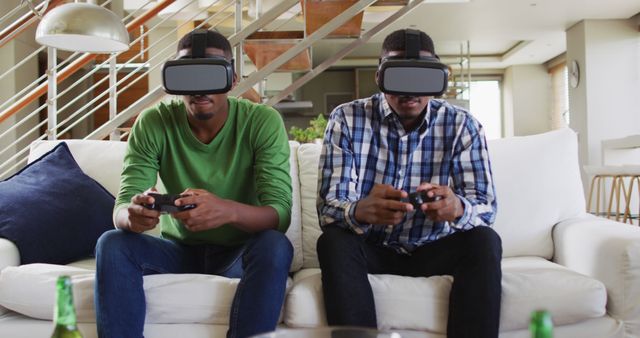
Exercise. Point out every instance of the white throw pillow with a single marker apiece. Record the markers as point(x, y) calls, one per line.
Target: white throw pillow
point(538, 184)
point(308, 158)
point(294, 233)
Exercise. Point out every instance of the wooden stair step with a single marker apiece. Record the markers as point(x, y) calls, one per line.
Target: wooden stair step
point(276, 35)
point(390, 3)
point(319, 12)
point(263, 47)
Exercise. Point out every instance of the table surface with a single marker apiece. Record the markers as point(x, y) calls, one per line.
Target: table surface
point(338, 332)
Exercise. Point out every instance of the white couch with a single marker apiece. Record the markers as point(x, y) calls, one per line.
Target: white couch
point(584, 270)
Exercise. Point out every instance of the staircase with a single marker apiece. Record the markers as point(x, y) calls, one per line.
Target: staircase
point(99, 96)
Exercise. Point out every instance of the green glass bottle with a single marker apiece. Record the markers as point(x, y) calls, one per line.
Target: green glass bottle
point(541, 325)
point(64, 311)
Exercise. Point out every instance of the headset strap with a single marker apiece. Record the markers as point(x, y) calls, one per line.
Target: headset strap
point(198, 43)
point(411, 44)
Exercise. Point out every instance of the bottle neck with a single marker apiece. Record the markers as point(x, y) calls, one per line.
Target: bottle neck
point(65, 314)
point(541, 325)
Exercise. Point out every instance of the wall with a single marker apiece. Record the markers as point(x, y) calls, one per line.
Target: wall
point(526, 100)
point(330, 81)
point(160, 48)
point(606, 103)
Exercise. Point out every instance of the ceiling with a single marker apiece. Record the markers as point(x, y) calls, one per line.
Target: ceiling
point(500, 33)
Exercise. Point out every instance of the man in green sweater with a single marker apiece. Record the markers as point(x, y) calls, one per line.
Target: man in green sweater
point(230, 158)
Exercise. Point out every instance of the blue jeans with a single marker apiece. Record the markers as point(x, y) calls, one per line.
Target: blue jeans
point(123, 258)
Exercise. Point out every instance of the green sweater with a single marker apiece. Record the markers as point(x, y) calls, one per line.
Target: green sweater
point(248, 162)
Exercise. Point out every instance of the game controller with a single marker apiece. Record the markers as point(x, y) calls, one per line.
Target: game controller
point(165, 203)
point(418, 197)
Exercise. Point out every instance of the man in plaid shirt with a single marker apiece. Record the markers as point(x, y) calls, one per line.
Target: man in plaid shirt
point(375, 152)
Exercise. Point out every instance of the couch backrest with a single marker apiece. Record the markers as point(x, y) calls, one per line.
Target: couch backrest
point(102, 161)
point(538, 184)
point(537, 181)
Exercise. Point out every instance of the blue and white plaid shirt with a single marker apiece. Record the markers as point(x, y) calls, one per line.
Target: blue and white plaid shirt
point(365, 144)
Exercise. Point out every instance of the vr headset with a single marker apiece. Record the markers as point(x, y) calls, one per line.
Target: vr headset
point(198, 73)
point(412, 74)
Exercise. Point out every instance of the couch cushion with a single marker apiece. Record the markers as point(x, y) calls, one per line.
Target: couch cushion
point(537, 181)
point(528, 284)
point(538, 184)
point(171, 298)
point(52, 211)
point(106, 169)
point(308, 158)
point(294, 233)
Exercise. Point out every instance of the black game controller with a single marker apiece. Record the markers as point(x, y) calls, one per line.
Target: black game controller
point(166, 203)
point(418, 197)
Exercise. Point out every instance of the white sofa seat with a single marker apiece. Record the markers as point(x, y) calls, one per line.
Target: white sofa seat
point(528, 283)
point(171, 298)
point(585, 270)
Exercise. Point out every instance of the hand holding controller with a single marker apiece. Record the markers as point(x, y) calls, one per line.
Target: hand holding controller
point(417, 198)
point(165, 203)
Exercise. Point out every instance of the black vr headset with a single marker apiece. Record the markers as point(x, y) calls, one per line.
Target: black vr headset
point(412, 74)
point(198, 73)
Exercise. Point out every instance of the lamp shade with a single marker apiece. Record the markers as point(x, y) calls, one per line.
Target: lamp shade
point(83, 27)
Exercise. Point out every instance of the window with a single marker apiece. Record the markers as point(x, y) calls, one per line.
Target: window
point(485, 105)
point(560, 95)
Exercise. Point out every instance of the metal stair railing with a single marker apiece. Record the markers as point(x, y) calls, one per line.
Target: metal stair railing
point(88, 91)
point(364, 38)
point(73, 66)
point(137, 69)
point(323, 31)
point(44, 76)
point(151, 97)
point(26, 20)
point(157, 93)
point(77, 64)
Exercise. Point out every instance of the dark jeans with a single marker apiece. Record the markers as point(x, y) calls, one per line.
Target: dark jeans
point(123, 258)
point(471, 257)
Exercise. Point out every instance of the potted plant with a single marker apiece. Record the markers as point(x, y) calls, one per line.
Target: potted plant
point(313, 133)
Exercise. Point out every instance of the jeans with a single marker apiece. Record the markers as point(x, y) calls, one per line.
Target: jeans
point(472, 257)
point(123, 258)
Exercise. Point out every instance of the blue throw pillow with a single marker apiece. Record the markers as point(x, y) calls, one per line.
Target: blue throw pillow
point(52, 211)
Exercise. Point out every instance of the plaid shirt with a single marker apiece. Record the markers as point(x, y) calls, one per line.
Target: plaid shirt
point(365, 144)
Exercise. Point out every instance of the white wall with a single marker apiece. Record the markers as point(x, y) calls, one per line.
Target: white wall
point(526, 100)
point(507, 103)
point(606, 103)
point(160, 48)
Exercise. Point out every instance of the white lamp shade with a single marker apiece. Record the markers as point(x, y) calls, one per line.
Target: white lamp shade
point(83, 27)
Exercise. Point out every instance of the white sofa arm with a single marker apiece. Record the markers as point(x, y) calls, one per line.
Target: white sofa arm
point(609, 252)
point(9, 256)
